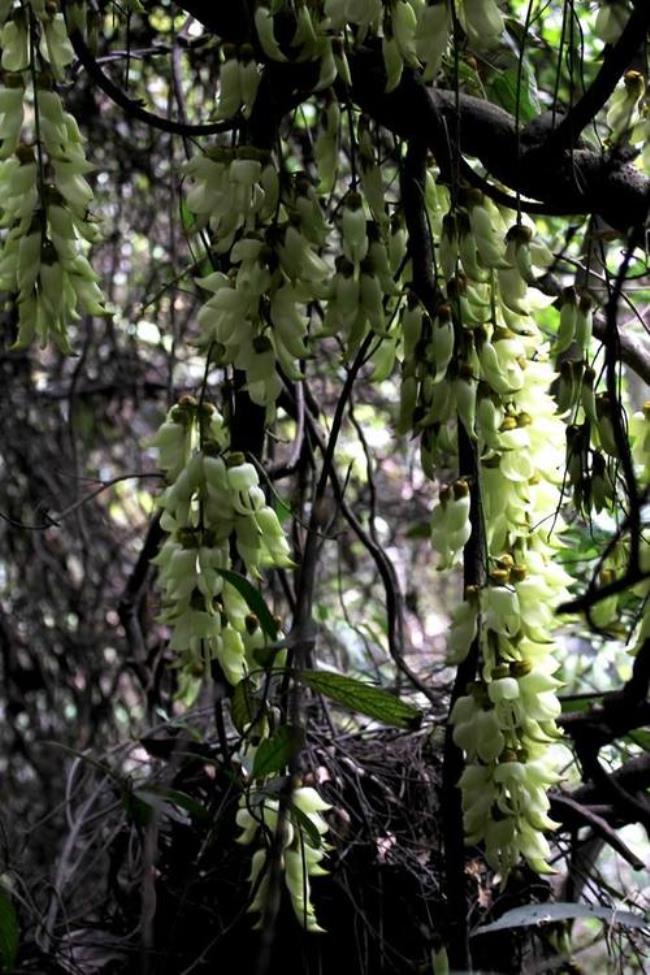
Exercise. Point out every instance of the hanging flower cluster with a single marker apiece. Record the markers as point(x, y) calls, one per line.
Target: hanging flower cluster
point(624, 105)
point(413, 33)
point(213, 495)
point(360, 297)
point(483, 360)
point(214, 500)
point(301, 853)
point(611, 20)
point(238, 81)
point(592, 460)
point(44, 213)
point(591, 449)
point(477, 359)
point(640, 438)
point(628, 114)
point(274, 232)
point(255, 317)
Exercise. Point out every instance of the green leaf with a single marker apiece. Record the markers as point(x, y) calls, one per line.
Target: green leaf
point(364, 698)
point(275, 753)
point(265, 656)
point(282, 510)
point(254, 600)
point(272, 788)
point(639, 738)
point(535, 914)
point(184, 801)
point(470, 80)
point(502, 89)
point(305, 823)
point(577, 703)
point(153, 800)
point(138, 808)
point(9, 935)
point(419, 529)
point(245, 705)
point(188, 220)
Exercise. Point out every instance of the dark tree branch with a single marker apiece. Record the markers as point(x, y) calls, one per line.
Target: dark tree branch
point(614, 718)
point(385, 568)
point(285, 468)
point(134, 108)
point(633, 809)
point(579, 182)
point(596, 594)
point(634, 776)
point(617, 715)
point(129, 608)
point(424, 286)
point(573, 815)
point(633, 352)
point(617, 60)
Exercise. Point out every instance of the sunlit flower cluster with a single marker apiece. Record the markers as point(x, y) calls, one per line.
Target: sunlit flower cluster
point(275, 233)
point(44, 210)
point(483, 362)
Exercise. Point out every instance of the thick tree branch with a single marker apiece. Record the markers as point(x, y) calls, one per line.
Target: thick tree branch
point(578, 182)
point(613, 719)
point(617, 715)
point(385, 568)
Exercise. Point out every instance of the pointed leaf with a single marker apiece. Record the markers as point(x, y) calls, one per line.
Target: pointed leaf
point(245, 705)
point(158, 803)
point(254, 600)
point(304, 822)
point(275, 753)
point(502, 89)
point(183, 801)
point(535, 914)
point(364, 698)
point(8, 933)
